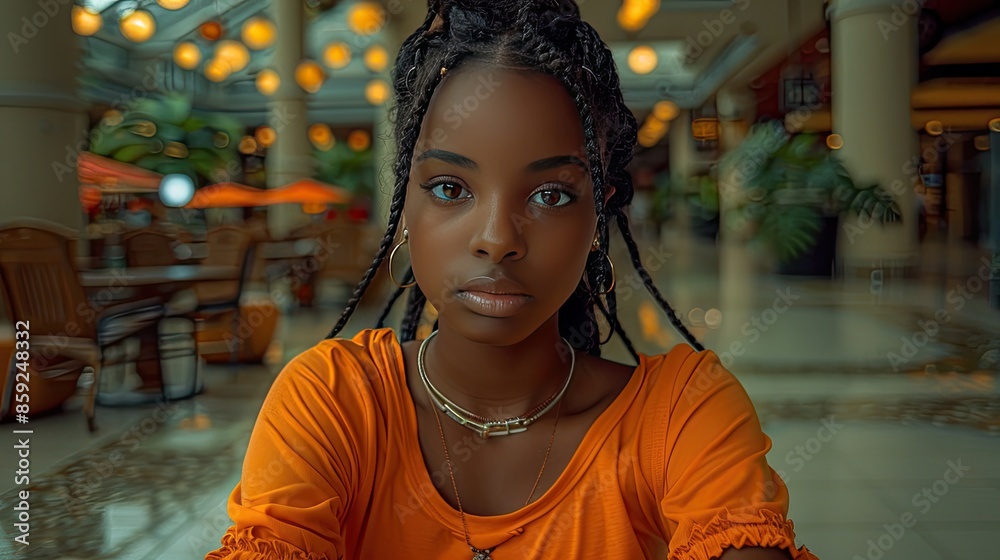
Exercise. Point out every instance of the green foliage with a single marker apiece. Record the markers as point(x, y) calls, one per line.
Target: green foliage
point(792, 183)
point(342, 166)
point(165, 136)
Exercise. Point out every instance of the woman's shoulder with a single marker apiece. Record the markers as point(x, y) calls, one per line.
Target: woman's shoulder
point(683, 376)
point(360, 361)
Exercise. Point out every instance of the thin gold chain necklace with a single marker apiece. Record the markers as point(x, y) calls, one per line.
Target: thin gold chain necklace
point(490, 427)
point(484, 554)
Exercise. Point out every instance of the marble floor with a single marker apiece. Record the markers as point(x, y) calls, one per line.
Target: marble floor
point(903, 374)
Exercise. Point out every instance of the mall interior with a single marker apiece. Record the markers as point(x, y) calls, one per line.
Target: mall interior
point(191, 190)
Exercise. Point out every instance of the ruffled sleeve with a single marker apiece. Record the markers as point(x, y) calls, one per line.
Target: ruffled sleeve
point(304, 463)
point(717, 490)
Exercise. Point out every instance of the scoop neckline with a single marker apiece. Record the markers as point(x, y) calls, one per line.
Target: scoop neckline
point(593, 440)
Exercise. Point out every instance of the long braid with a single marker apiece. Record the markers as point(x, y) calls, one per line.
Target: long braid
point(407, 143)
point(392, 300)
point(414, 311)
point(616, 328)
point(633, 252)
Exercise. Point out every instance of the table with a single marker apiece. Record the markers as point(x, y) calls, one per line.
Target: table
point(146, 276)
point(117, 285)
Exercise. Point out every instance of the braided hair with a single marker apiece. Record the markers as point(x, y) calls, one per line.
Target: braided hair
point(547, 36)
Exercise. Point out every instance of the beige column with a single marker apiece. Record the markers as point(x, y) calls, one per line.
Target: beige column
point(739, 287)
point(873, 47)
point(682, 154)
point(402, 19)
point(43, 126)
point(290, 157)
point(737, 109)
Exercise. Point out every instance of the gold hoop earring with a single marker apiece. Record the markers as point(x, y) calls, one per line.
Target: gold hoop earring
point(406, 239)
point(613, 279)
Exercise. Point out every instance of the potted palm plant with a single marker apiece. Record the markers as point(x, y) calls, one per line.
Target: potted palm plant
point(701, 194)
point(794, 192)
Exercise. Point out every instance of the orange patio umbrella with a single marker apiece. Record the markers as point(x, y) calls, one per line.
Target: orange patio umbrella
point(113, 176)
point(309, 191)
point(228, 195)
point(236, 195)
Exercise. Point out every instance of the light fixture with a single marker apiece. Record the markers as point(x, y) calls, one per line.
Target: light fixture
point(233, 52)
point(265, 136)
point(359, 140)
point(86, 22)
point(377, 92)
point(176, 190)
point(187, 55)
point(268, 81)
point(211, 30)
point(258, 33)
point(248, 145)
point(934, 128)
point(982, 143)
point(376, 58)
point(656, 126)
point(321, 136)
point(995, 125)
point(642, 59)
point(665, 110)
point(365, 18)
point(635, 14)
point(309, 75)
point(217, 69)
point(172, 4)
point(336, 55)
point(137, 26)
point(835, 141)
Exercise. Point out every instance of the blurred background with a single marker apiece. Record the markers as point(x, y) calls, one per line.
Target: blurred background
point(191, 190)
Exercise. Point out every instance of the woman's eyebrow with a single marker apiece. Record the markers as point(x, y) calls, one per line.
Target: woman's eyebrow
point(449, 157)
point(545, 164)
point(556, 162)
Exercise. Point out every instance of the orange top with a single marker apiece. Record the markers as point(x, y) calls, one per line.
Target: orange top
point(676, 464)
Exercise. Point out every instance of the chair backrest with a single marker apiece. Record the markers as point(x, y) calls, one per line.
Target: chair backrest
point(40, 279)
point(227, 246)
point(339, 247)
point(147, 247)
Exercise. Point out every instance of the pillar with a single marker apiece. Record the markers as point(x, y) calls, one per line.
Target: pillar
point(873, 47)
point(43, 125)
point(291, 156)
point(681, 157)
point(402, 19)
point(737, 107)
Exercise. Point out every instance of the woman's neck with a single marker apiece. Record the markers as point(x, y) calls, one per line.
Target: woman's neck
point(498, 382)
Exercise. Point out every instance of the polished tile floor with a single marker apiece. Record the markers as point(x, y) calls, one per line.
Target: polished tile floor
point(882, 404)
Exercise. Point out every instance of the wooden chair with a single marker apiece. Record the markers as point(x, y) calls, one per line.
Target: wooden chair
point(147, 247)
point(41, 289)
point(227, 246)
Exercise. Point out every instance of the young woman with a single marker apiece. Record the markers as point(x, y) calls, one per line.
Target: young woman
point(504, 434)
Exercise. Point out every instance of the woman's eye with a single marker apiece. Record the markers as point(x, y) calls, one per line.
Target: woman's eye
point(552, 198)
point(449, 191)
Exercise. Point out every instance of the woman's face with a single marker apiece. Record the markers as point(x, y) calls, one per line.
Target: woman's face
point(500, 205)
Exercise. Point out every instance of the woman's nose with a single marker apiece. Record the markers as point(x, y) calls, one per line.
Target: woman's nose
point(499, 235)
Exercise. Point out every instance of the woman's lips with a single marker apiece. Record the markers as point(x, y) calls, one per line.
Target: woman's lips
point(494, 305)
